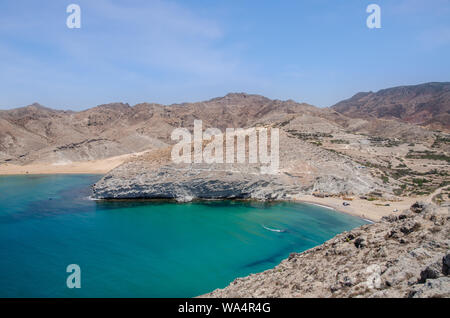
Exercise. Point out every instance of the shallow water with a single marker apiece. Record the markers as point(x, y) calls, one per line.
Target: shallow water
point(143, 249)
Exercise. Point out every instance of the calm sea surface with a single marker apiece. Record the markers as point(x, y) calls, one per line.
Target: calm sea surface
point(142, 249)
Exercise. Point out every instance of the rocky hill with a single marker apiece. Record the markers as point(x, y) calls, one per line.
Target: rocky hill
point(304, 168)
point(425, 104)
point(38, 134)
point(404, 255)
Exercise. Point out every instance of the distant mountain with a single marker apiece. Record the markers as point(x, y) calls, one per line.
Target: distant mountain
point(38, 134)
point(425, 104)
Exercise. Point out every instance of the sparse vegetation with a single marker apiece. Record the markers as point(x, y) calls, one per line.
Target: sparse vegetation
point(430, 155)
point(419, 181)
point(339, 141)
point(309, 136)
point(384, 142)
point(440, 140)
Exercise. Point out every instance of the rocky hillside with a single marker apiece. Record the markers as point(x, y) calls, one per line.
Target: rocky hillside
point(425, 104)
point(38, 134)
point(404, 255)
point(304, 168)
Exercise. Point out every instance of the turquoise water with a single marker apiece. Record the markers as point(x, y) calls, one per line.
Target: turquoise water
point(142, 249)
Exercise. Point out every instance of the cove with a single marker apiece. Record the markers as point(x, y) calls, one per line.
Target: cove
point(143, 249)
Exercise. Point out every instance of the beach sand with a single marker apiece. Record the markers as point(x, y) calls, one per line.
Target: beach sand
point(101, 166)
point(88, 167)
point(369, 210)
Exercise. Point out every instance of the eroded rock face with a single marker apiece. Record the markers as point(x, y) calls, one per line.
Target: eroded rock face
point(304, 168)
point(376, 260)
point(187, 182)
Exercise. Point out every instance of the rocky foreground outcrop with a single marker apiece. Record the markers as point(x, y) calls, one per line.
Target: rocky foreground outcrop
point(404, 255)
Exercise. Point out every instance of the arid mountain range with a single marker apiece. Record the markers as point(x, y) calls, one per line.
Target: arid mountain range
point(36, 133)
point(426, 105)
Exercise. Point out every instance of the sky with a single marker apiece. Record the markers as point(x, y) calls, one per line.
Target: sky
point(317, 51)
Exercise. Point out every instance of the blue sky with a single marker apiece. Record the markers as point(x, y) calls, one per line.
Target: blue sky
point(317, 51)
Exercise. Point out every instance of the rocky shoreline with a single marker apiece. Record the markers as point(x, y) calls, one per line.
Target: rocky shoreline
point(403, 255)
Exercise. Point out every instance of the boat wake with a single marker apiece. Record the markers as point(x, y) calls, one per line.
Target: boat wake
point(273, 230)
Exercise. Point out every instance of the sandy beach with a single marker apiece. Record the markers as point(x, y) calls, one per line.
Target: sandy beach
point(88, 167)
point(369, 210)
point(100, 166)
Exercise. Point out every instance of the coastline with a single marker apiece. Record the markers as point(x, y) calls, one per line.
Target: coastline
point(341, 263)
point(371, 211)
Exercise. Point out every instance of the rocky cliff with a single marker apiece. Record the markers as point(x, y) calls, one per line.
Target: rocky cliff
point(304, 168)
point(404, 255)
